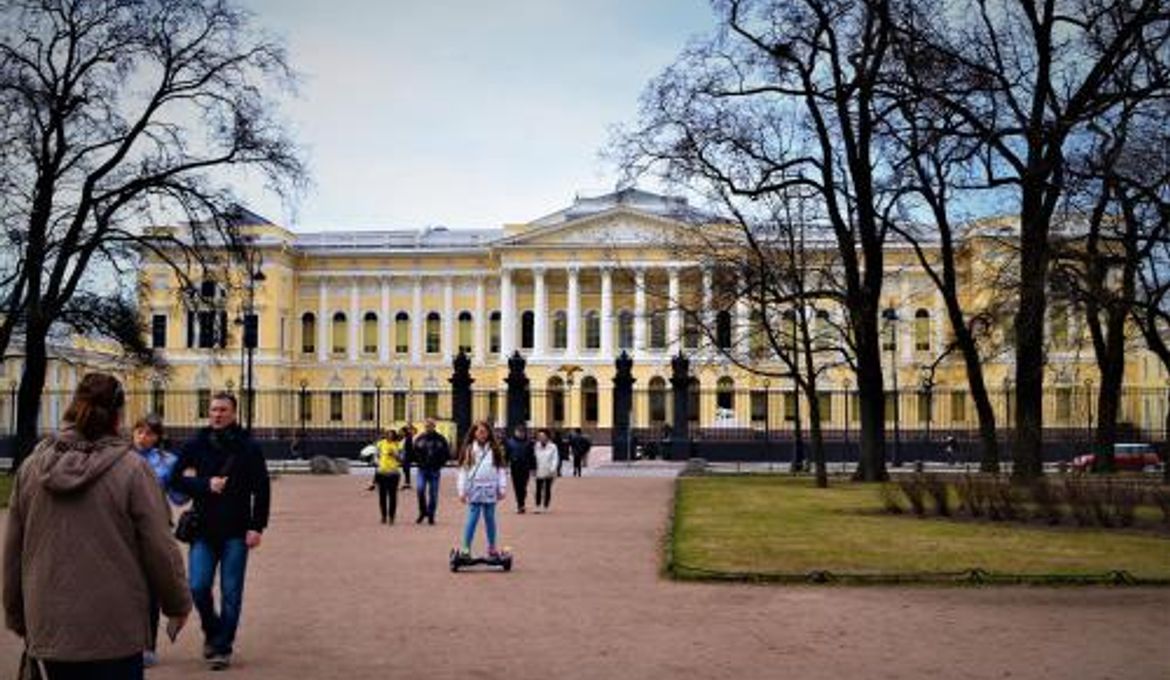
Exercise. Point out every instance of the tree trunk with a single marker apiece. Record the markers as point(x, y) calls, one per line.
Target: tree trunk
point(28, 400)
point(871, 466)
point(816, 435)
point(1112, 369)
point(1029, 327)
point(988, 439)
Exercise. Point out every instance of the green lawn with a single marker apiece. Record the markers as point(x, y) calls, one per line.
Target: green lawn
point(780, 525)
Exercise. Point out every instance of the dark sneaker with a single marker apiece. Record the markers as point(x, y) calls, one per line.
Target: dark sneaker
point(420, 519)
point(219, 662)
point(208, 651)
point(431, 519)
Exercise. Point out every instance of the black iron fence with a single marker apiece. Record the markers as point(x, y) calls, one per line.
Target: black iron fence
point(731, 423)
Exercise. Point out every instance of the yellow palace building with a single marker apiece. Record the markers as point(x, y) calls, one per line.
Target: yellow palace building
point(357, 329)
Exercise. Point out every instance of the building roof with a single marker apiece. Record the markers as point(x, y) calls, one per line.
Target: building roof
point(674, 207)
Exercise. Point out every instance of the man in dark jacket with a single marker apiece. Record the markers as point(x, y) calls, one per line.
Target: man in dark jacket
point(522, 461)
point(579, 446)
point(431, 453)
point(223, 470)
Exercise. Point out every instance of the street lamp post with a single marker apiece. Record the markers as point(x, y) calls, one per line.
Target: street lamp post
point(927, 387)
point(1089, 410)
point(798, 438)
point(304, 403)
point(848, 398)
point(767, 422)
point(891, 317)
point(251, 333)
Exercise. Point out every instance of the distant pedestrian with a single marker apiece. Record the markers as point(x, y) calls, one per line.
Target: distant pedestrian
point(548, 457)
point(86, 542)
point(146, 437)
point(579, 446)
point(407, 454)
point(521, 462)
point(562, 450)
point(431, 453)
point(482, 482)
point(387, 474)
point(223, 469)
point(950, 450)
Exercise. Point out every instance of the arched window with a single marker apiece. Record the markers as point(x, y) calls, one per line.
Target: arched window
point(922, 330)
point(691, 331)
point(308, 333)
point(339, 333)
point(658, 329)
point(657, 400)
point(370, 333)
point(434, 331)
point(725, 399)
point(723, 330)
point(527, 329)
point(592, 330)
point(555, 413)
point(401, 333)
point(589, 402)
point(494, 333)
point(465, 333)
point(626, 330)
point(560, 330)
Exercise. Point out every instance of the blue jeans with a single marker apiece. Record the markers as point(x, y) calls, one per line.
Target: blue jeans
point(474, 510)
point(231, 556)
point(427, 504)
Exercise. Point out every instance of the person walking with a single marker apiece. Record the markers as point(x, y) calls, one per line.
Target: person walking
point(431, 453)
point(521, 463)
point(387, 474)
point(223, 469)
point(407, 454)
point(482, 482)
point(146, 437)
point(87, 541)
point(579, 446)
point(562, 450)
point(547, 458)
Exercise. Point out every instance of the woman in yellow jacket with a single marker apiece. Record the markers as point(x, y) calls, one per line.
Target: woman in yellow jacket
point(389, 461)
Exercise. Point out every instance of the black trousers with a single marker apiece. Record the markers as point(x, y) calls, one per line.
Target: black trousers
point(406, 474)
point(578, 460)
point(543, 491)
point(128, 668)
point(520, 474)
point(387, 494)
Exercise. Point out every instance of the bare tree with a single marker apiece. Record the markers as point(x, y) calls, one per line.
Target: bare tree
point(118, 114)
point(1026, 78)
point(784, 97)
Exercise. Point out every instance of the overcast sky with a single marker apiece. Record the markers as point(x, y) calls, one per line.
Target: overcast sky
point(462, 113)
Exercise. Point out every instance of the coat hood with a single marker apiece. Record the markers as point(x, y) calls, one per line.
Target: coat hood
point(67, 463)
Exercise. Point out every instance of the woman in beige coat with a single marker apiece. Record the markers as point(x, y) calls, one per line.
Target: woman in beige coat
point(87, 541)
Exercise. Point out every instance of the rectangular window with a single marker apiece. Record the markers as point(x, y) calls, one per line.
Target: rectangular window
point(306, 406)
point(590, 406)
point(825, 403)
point(691, 334)
point(251, 331)
point(401, 335)
point(958, 407)
point(399, 406)
point(592, 331)
point(368, 406)
point(759, 403)
point(203, 402)
point(191, 324)
point(158, 402)
point(206, 330)
point(854, 407)
point(336, 406)
point(494, 334)
point(790, 407)
point(1063, 405)
point(433, 336)
point(431, 404)
point(158, 331)
point(925, 408)
point(891, 405)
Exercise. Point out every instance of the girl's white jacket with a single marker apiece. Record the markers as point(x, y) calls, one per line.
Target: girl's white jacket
point(546, 460)
point(482, 481)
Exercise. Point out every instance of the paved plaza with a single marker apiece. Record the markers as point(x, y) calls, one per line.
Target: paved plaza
point(334, 594)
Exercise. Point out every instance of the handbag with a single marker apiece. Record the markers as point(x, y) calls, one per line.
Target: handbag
point(190, 524)
point(31, 669)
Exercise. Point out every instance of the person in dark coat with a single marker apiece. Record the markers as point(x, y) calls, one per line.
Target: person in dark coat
point(562, 451)
point(579, 446)
point(431, 453)
point(407, 454)
point(521, 461)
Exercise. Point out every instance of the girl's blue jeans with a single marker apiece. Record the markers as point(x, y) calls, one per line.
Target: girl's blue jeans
point(474, 510)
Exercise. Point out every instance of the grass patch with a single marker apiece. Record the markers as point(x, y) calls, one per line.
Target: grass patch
point(779, 525)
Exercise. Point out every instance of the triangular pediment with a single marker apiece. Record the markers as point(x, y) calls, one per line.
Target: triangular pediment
point(621, 227)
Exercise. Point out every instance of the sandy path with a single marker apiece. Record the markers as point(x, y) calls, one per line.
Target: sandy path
point(334, 594)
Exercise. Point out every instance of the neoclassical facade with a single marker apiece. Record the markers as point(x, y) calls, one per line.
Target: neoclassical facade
point(358, 326)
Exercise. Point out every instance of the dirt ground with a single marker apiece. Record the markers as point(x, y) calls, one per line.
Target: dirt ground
point(334, 594)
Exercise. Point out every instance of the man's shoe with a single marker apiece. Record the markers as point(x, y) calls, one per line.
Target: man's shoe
point(208, 651)
point(521, 510)
point(420, 519)
point(219, 662)
point(431, 519)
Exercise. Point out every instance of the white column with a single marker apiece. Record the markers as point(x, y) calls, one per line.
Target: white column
point(324, 320)
point(384, 324)
point(639, 311)
point(507, 314)
point(416, 322)
point(607, 313)
point(355, 319)
point(479, 342)
point(674, 318)
point(708, 313)
point(540, 313)
point(448, 327)
point(741, 327)
point(573, 346)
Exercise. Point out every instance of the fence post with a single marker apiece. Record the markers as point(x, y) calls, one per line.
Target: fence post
point(623, 401)
point(461, 382)
point(680, 382)
point(517, 392)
